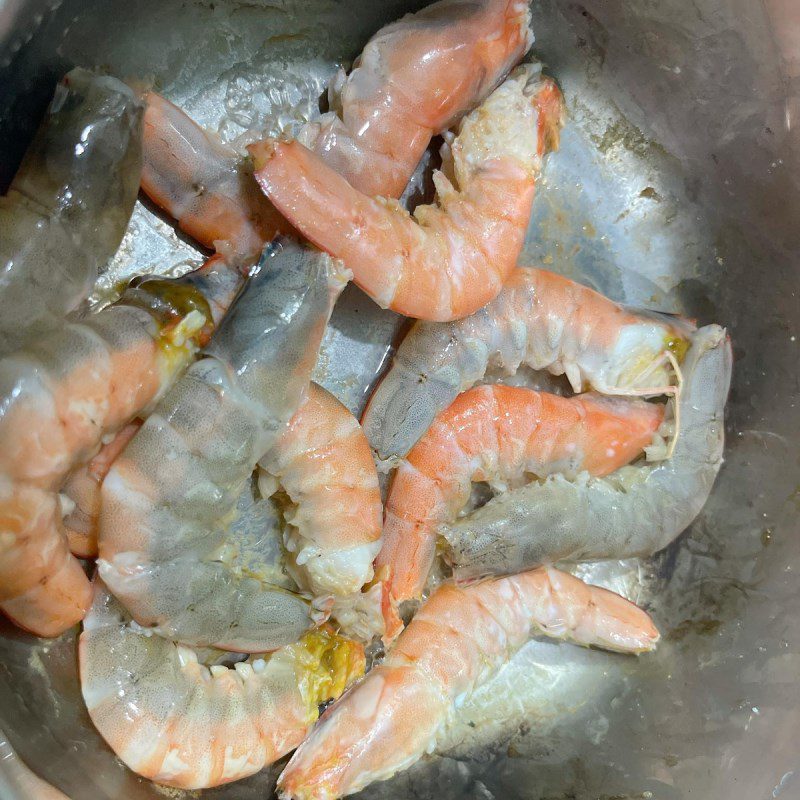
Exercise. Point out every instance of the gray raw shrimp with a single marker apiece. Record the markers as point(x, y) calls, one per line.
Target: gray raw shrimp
point(69, 204)
point(635, 511)
point(169, 498)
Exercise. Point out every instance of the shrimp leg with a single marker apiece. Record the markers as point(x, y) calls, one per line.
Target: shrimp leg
point(167, 501)
point(447, 260)
point(456, 641)
point(633, 512)
point(539, 319)
point(180, 723)
point(501, 435)
point(69, 204)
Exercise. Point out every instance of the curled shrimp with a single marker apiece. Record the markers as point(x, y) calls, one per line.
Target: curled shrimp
point(168, 499)
point(456, 641)
point(447, 260)
point(324, 466)
point(500, 435)
point(539, 319)
point(635, 511)
point(69, 204)
point(61, 395)
point(322, 463)
point(413, 80)
point(180, 723)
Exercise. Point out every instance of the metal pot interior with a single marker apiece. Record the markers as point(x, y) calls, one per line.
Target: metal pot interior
point(676, 187)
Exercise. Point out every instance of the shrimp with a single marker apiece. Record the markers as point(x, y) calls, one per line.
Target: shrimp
point(325, 467)
point(69, 205)
point(501, 435)
point(61, 395)
point(456, 641)
point(180, 723)
point(164, 549)
point(633, 512)
point(447, 260)
point(204, 184)
point(415, 78)
point(539, 319)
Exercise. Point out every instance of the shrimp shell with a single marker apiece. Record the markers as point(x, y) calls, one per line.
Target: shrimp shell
point(167, 501)
point(635, 511)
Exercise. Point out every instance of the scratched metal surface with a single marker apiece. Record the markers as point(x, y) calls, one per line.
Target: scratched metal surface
point(676, 187)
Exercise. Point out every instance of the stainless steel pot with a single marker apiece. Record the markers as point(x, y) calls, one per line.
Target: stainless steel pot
point(677, 188)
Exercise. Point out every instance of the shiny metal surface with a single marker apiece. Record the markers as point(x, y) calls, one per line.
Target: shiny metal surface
point(676, 187)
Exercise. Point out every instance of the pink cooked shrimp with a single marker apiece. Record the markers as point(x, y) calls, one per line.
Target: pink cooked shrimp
point(388, 108)
point(415, 78)
point(180, 723)
point(324, 465)
point(501, 435)
point(454, 643)
point(445, 261)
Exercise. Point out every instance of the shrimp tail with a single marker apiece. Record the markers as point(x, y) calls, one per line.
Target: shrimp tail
point(44, 589)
